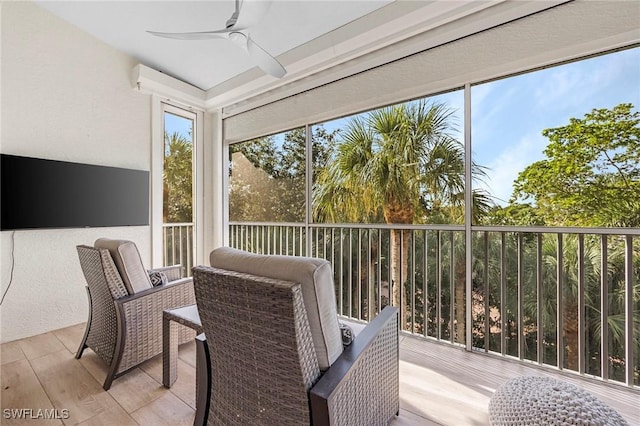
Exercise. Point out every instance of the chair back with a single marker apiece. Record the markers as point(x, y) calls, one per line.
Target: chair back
point(262, 356)
point(127, 260)
point(318, 291)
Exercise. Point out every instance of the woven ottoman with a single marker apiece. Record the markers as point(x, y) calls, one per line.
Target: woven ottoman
point(532, 400)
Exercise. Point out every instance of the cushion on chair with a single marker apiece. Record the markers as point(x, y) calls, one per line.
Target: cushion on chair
point(318, 292)
point(157, 278)
point(127, 259)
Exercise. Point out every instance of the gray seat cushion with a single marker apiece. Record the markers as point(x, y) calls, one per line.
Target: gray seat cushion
point(128, 262)
point(318, 291)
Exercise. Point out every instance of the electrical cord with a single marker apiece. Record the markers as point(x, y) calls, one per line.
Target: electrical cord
point(13, 245)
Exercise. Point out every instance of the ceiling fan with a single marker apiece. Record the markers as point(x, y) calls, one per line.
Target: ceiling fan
point(237, 30)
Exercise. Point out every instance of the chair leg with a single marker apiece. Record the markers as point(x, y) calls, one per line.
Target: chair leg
point(203, 381)
point(107, 382)
point(81, 349)
point(118, 350)
point(83, 344)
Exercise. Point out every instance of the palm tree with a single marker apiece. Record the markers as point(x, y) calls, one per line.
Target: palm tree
point(178, 179)
point(401, 165)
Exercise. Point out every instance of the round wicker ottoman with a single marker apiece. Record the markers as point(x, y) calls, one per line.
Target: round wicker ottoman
point(532, 400)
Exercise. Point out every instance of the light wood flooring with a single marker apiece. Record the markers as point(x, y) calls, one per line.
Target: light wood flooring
point(439, 385)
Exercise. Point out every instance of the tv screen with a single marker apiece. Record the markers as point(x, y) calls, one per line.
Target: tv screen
point(38, 193)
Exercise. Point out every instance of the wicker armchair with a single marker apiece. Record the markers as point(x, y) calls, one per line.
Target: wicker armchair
point(124, 327)
point(262, 367)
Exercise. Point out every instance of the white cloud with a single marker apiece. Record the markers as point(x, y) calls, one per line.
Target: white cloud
point(574, 89)
point(510, 162)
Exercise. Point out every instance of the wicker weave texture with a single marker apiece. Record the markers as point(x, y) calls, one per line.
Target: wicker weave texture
point(262, 357)
point(143, 319)
point(103, 328)
point(370, 394)
point(125, 330)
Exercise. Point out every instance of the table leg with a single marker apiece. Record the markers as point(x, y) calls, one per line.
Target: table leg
point(169, 352)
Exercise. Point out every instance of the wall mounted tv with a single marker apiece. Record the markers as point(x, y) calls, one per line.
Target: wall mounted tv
point(38, 194)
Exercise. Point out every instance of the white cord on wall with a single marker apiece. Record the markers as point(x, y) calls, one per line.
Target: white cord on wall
point(13, 234)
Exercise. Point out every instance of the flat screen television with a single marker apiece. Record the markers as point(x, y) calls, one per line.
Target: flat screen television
point(39, 194)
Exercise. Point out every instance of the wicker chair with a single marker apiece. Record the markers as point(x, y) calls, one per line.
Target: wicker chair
point(262, 367)
point(124, 327)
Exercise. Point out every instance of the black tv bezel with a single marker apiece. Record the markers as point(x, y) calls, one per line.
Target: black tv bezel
point(38, 193)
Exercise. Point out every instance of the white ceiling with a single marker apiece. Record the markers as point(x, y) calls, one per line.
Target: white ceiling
point(311, 38)
point(204, 63)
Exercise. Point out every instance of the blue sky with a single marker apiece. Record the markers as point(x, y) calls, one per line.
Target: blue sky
point(508, 115)
point(175, 123)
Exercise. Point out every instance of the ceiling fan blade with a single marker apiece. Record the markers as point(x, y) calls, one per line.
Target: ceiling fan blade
point(265, 61)
point(201, 35)
point(251, 13)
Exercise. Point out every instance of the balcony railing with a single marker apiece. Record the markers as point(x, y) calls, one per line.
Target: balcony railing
point(538, 295)
point(178, 245)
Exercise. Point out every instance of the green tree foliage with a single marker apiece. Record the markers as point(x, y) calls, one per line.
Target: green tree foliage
point(178, 179)
point(401, 165)
point(267, 176)
point(591, 176)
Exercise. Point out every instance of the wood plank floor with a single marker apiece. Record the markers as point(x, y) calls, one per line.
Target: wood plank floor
point(439, 385)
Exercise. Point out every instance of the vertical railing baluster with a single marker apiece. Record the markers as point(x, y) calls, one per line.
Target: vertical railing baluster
point(286, 241)
point(581, 317)
point(628, 310)
point(189, 250)
point(359, 273)
point(268, 236)
point(520, 296)
point(452, 291)
point(350, 272)
point(379, 269)
point(539, 301)
point(370, 280)
point(439, 284)
point(559, 301)
point(413, 281)
point(503, 294)
point(389, 275)
point(604, 308)
point(341, 271)
point(274, 240)
point(164, 252)
point(402, 303)
point(333, 248)
point(487, 293)
point(173, 246)
point(234, 236)
point(425, 304)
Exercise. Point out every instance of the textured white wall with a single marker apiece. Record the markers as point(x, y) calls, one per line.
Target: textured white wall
point(65, 96)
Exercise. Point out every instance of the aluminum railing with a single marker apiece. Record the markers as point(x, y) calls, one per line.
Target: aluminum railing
point(178, 245)
point(537, 294)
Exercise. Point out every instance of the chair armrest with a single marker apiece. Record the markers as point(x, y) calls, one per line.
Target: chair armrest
point(172, 272)
point(183, 284)
point(362, 385)
point(139, 318)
